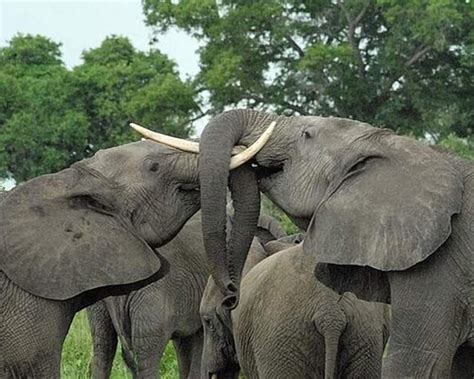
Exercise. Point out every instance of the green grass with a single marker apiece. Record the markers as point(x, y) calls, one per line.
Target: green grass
point(77, 355)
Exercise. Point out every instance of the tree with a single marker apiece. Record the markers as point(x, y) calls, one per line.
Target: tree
point(41, 128)
point(117, 84)
point(51, 117)
point(406, 65)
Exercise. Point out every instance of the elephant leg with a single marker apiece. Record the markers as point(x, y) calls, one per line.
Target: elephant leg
point(148, 345)
point(32, 332)
point(424, 328)
point(104, 339)
point(189, 353)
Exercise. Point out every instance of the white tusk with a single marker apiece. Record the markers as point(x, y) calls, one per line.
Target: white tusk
point(214, 376)
point(178, 143)
point(252, 150)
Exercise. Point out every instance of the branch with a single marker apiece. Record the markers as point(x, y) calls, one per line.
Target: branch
point(419, 53)
point(352, 24)
point(199, 116)
point(295, 46)
point(191, 120)
point(293, 107)
point(362, 13)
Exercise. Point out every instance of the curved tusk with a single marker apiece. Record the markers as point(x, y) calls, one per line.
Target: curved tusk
point(252, 150)
point(178, 143)
point(214, 376)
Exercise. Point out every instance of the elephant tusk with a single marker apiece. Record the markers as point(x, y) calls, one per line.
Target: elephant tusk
point(214, 376)
point(252, 150)
point(178, 143)
point(241, 154)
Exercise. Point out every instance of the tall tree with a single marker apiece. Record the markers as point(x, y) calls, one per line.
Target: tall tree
point(406, 65)
point(41, 130)
point(118, 84)
point(51, 117)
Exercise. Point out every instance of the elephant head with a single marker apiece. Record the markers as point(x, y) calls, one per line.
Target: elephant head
point(94, 225)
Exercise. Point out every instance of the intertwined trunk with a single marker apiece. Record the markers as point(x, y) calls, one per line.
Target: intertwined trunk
point(217, 140)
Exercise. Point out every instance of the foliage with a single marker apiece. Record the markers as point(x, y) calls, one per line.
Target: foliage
point(51, 117)
point(461, 146)
point(271, 209)
point(406, 65)
point(77, 355)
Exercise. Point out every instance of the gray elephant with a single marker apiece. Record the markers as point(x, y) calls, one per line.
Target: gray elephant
point(146, 319)
point(71, 238)
point(375, 204)
point(307, 331)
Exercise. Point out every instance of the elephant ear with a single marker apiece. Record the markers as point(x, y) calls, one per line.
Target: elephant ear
point(392, 213)
point(55, 243)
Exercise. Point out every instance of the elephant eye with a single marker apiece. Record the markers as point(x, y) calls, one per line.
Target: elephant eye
point(306, 134)
point(154, 167)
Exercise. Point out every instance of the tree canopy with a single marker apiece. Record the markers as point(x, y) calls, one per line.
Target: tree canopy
point(51, 117)
point(405, 65)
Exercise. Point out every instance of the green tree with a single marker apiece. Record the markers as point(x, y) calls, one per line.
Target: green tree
point(406, 65)
point(41, 129)
point(118, 84)
point(51, 117)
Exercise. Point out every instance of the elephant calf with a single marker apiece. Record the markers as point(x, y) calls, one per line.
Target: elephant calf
point(288, 325)
point(146, 319)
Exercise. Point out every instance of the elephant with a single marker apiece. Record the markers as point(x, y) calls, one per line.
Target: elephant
point(146, 319)
point(71, 238)
point(307, 331)
point(374, 204)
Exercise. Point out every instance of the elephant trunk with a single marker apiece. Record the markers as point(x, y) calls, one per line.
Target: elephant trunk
point(216, 144)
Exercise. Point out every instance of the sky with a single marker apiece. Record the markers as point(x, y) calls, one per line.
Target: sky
point(82, 25)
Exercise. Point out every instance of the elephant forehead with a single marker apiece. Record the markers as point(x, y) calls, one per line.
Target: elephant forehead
point(125, 158)
point(334, 131)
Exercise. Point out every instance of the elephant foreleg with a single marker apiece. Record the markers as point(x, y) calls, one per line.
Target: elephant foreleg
point(424, 328)
point(189, 353)
point(148, 345)
point(104, 339)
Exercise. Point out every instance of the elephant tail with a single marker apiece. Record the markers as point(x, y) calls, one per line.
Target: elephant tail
point(330, 323)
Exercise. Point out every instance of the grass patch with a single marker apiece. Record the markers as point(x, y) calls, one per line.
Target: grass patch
point(77, 355)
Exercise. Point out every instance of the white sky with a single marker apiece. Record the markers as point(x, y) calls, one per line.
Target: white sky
point(82, 25)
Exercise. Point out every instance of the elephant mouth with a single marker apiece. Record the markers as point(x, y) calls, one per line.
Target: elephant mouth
point(266, 174)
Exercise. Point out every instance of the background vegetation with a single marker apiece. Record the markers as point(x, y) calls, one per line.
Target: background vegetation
point(407, 65)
